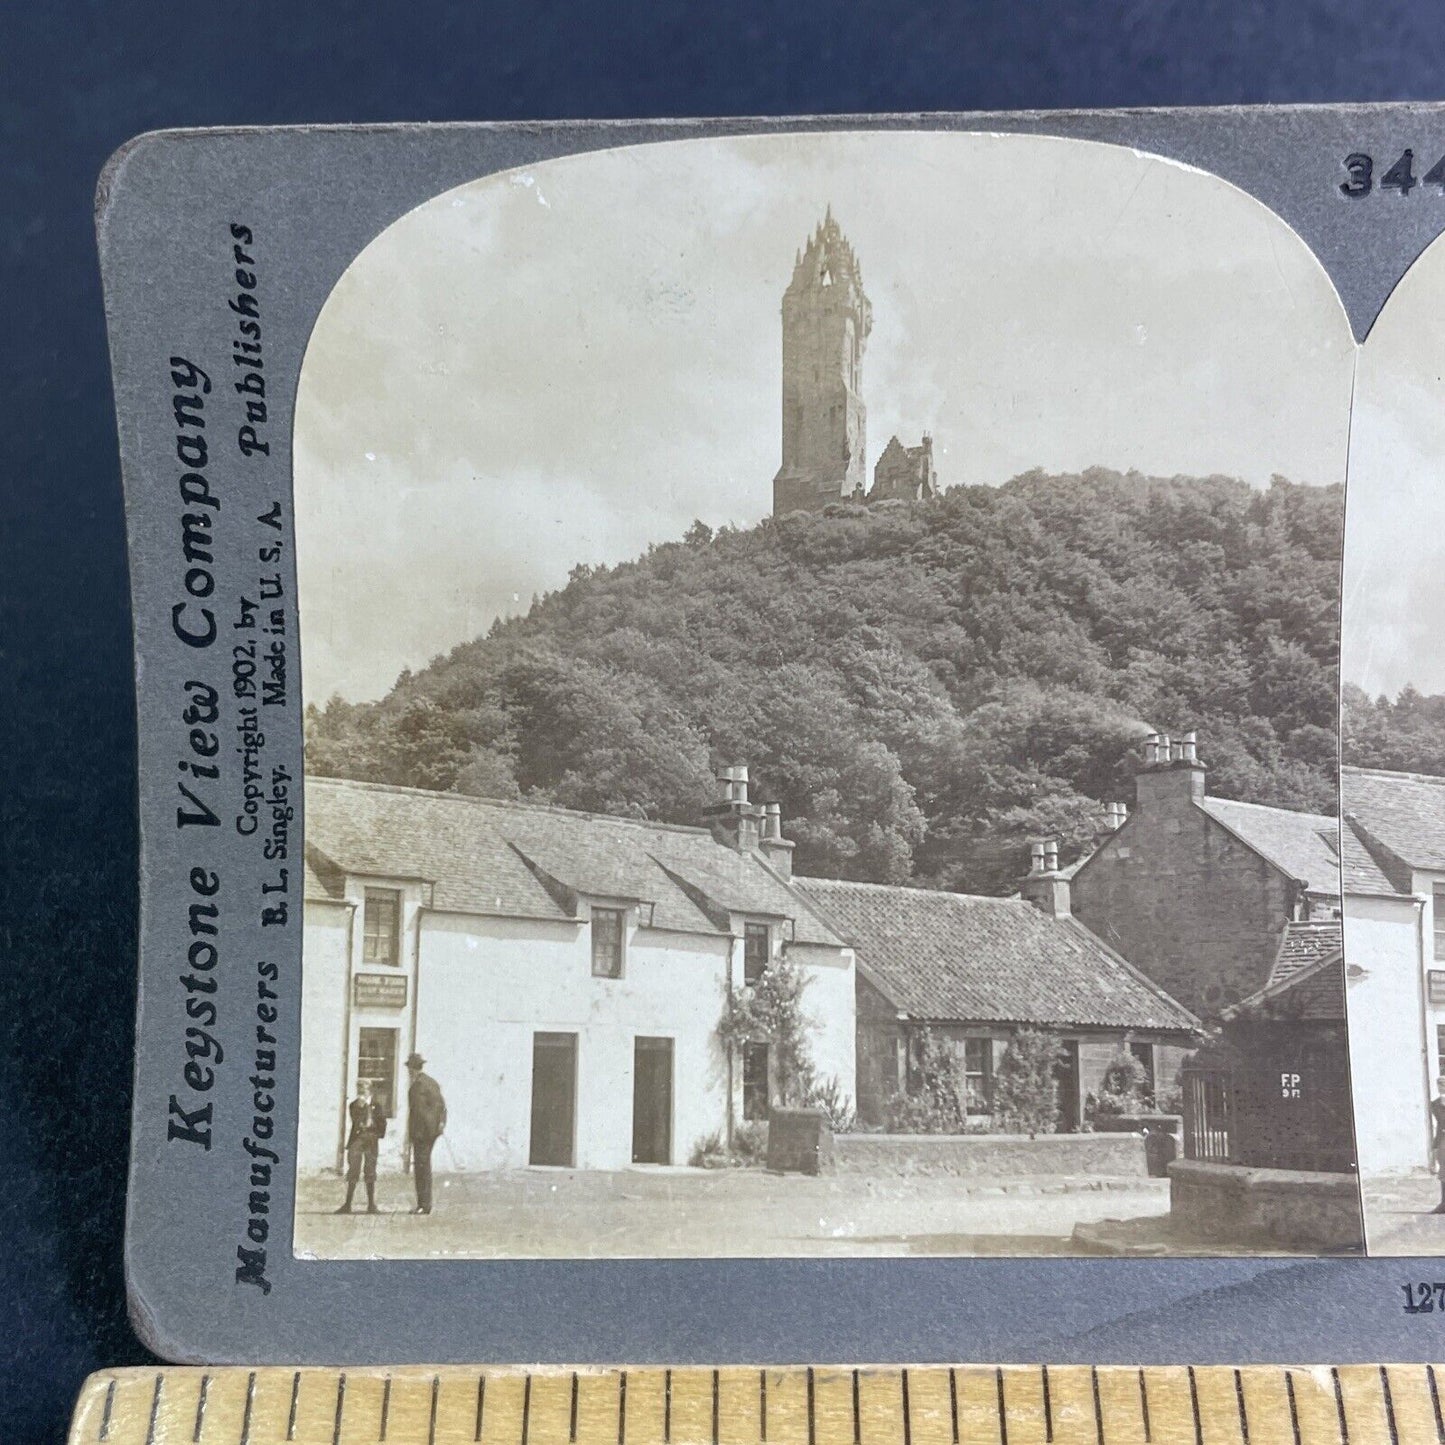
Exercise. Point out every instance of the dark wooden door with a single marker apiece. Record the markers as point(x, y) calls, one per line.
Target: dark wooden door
point(652, 1101)
point(1066, 1076)
point(554, 1099)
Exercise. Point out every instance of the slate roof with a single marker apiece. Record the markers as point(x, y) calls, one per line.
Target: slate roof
point(524, 860)
point(1303, 845)
point(1395, 823)
point(953, 957)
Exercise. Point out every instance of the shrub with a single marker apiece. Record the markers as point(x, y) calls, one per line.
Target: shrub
point(933, 1101)
point(770, 1011)
point(1123, 1090)
point(838, 1106)
point(1025, 1092)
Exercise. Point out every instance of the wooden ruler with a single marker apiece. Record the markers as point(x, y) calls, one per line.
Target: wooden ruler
point(879, 1405)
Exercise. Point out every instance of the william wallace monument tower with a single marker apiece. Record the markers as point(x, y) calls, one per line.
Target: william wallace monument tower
point(826, 321)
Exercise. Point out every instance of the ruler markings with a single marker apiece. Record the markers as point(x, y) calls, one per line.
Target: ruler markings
point(1372, 1404)
point(109, 1406)
point(201, 1409)
point(1389, 1407)
point(155, 1410)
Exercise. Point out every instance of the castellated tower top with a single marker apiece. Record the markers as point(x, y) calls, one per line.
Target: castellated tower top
point(829, 260)
point(826, 321)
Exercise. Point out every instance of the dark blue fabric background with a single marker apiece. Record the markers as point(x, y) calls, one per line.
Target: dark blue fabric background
point(78, 79)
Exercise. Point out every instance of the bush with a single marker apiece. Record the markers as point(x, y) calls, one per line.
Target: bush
point(1123, 1090)
point(933, 1101)
point(1025, 1092)
point(770, 1011)
point(838, 1106)
point(750, 1149)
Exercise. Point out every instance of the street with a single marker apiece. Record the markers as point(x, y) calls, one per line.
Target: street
point(653, 1212)
point(1398, 1218)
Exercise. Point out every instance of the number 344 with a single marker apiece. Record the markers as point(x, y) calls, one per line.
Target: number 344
point(1400, 177)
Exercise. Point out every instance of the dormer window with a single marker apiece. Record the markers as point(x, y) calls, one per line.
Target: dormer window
point(609, 934)
point(381, 928)
point(757, 951)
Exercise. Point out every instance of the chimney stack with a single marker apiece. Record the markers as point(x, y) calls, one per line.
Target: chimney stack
point(733, 819)
point(1171, 773)
point(776, 848)
point(1045, 886)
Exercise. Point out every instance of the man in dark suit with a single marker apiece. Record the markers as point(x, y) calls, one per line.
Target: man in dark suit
point(426, 1117)
point(368, 1126)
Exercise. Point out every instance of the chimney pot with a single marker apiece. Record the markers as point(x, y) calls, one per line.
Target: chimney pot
point(1051, 856)
point(1191, 747)
point(1151, 748)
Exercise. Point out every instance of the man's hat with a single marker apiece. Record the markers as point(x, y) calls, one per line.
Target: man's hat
point(415, 1061)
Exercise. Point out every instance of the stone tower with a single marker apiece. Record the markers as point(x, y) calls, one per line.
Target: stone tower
point(826, 320)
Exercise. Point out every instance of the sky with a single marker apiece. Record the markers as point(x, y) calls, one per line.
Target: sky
point(1394, 579)
point(566, 364)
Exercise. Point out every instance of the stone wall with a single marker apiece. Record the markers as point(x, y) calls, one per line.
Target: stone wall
point(1286, 1208)
point(1183, 899)
point(995, 1156)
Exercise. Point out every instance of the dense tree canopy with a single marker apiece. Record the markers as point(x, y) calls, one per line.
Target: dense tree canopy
point(921, 686)
point(1405, 734)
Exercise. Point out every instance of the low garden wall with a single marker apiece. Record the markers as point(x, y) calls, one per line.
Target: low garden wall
point(1290, 1208)
point(994, 1156)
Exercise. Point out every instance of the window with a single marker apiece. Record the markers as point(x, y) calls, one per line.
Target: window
point(1145, 1054)
point(608, 932)
point(1440, 1051)
point(376, 1060)
point(381, 927)
point(757, 950)
point(978, 1075)
point(755, 1081)
point(1439, 911)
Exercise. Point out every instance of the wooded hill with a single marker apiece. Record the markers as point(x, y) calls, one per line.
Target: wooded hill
point(922, 686)
point(1405, 733)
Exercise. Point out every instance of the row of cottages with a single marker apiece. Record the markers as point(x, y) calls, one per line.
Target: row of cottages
point(1394, 880)
point(564, 975)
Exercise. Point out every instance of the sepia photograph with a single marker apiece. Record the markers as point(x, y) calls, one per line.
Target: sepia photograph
point(822, 737)
point(1393, 779)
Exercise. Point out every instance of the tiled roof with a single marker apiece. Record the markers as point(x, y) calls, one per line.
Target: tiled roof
point(524, 860)
point(1304, 944)
point(948, 956)
point(1303, 845)
point(1307, 980)
point(1399, 823)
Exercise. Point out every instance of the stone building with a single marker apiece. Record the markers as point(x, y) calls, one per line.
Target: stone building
point(1198, 892)
point(974, 970)
point(826, 321)
point(905, 474)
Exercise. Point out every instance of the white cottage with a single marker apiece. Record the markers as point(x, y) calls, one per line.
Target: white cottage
point(562, 973)
point(1394, 894)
